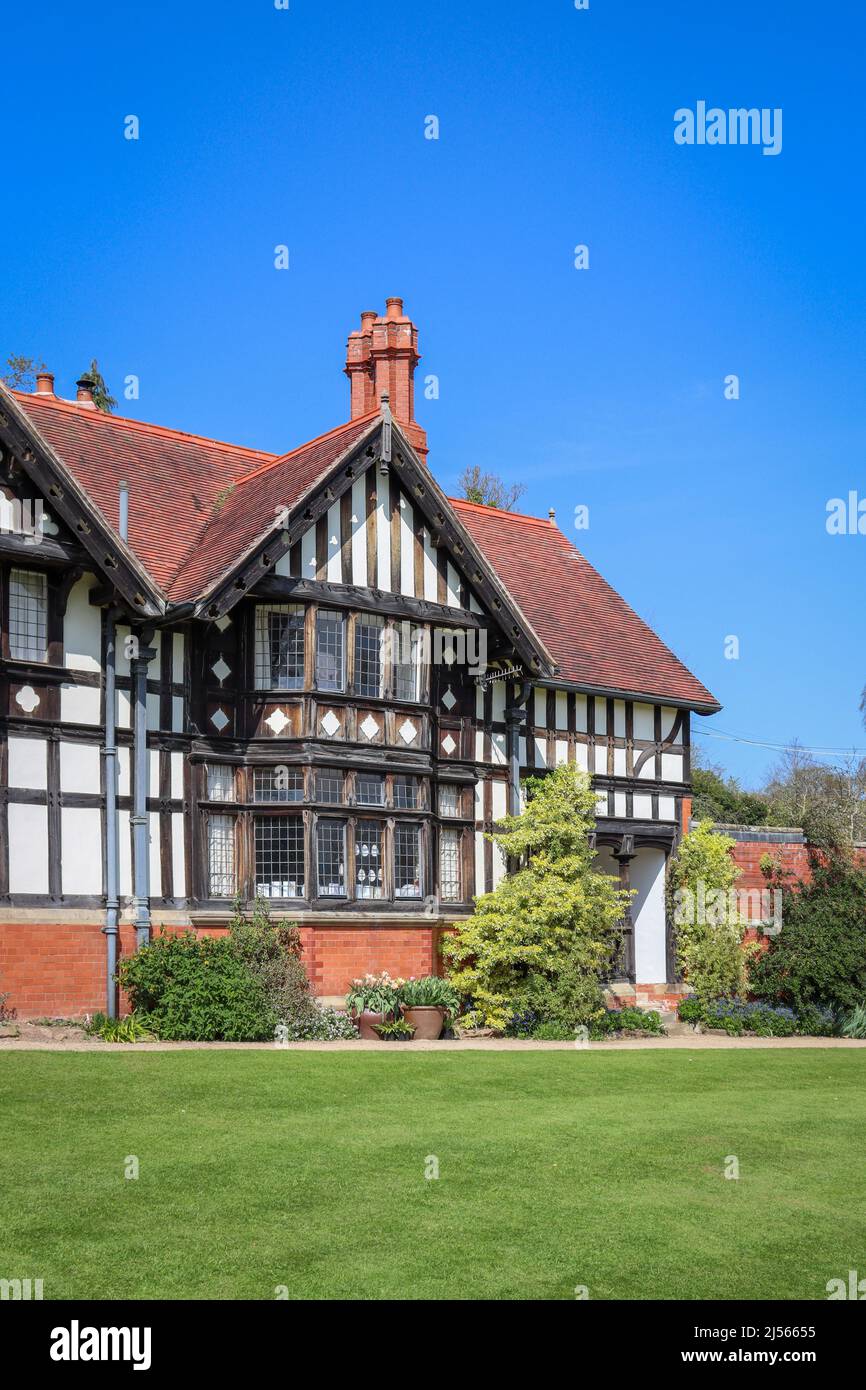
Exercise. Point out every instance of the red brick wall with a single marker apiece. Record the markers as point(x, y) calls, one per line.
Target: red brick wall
point(58, 971)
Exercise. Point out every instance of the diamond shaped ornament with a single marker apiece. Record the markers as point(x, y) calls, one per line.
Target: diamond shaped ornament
point(221, 669)
point(407, 731)
point(330, 724)
point(369, 728)
point(220, 720)
point(449, 699)
point(448, 744)
point(276, 722)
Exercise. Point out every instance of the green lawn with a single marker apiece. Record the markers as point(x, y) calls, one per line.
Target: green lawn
point(557, 1169)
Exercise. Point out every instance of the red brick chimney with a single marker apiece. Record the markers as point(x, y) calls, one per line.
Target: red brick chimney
point(382, 356)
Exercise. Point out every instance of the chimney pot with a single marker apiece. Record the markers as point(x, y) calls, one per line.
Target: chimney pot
point(368, 318)
point(552, 515)
point(84, 389)
point(394, 309)
point(44, 383)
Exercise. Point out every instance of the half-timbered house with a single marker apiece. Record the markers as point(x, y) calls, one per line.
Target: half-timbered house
point(310, 677)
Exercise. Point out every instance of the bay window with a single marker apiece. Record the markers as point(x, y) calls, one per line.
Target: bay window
point(407, 861)
point(331, 858)
point(369, 666)
point(330, 649)
point(28, 615)
point(369, 860)
point(450, 877)
point(221, 856)
point(279, 646)
point(279, 846)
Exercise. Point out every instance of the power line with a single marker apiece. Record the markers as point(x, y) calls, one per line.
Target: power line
point(777, 747)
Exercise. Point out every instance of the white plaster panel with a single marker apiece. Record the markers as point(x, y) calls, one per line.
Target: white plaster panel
point(308, 553)
point(28, 763)
point(619, 803)
point(155, 865)
point(28, 849)
point(82, 629)
point(407, 548)
point(431, 573)
point(177, 652)
point(178, 851)
point(499, 749)
point(561, 750)
point(453, 583)
point(643, 806)
point(125, 856)
point(540, 752)
point(619, 718)
point(540, 702)
point(600, 714)
point(581, 756)
point(619, 762)
point(152, 710)
point(79, 769)
point(124, 710)
point(177, 714)
point(81, 850)
point(667, 808)
point(580, 713)
point(561, 710)
point(644, 721)
point(479, 863)
point(335, 569)
point(177, 776)
point(79, 704)
point(672, 767)
point(500, 800)
point(498, 701)
point(124, 786)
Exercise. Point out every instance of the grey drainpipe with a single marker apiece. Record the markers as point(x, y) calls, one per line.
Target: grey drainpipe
point(112, 846)
point(139, 818)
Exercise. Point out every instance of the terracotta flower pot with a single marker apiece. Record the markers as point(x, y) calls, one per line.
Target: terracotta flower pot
point(366, 1022)
point(427, 1020)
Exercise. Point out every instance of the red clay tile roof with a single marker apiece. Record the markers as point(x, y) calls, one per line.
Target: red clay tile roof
point(593, 635)
point(173, 477)
point(252, 507)
point(198, 505)
point(195, 505)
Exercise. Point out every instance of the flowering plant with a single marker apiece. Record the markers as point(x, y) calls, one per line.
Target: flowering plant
point(375, 994)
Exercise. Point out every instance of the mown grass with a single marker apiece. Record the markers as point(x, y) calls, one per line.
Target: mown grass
point(557, 1169)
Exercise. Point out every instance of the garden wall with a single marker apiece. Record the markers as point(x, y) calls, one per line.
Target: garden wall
point(57, 969)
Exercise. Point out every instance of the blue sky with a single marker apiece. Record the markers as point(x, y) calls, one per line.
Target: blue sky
point(602, 387)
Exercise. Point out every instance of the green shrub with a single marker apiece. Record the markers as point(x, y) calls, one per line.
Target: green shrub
point(554, 1032)
point(544, 937)
point(272, 953)
point(394, 1030)
point(198, 990)
point(690, 1010)
point(708, 934)
point(819, 956)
